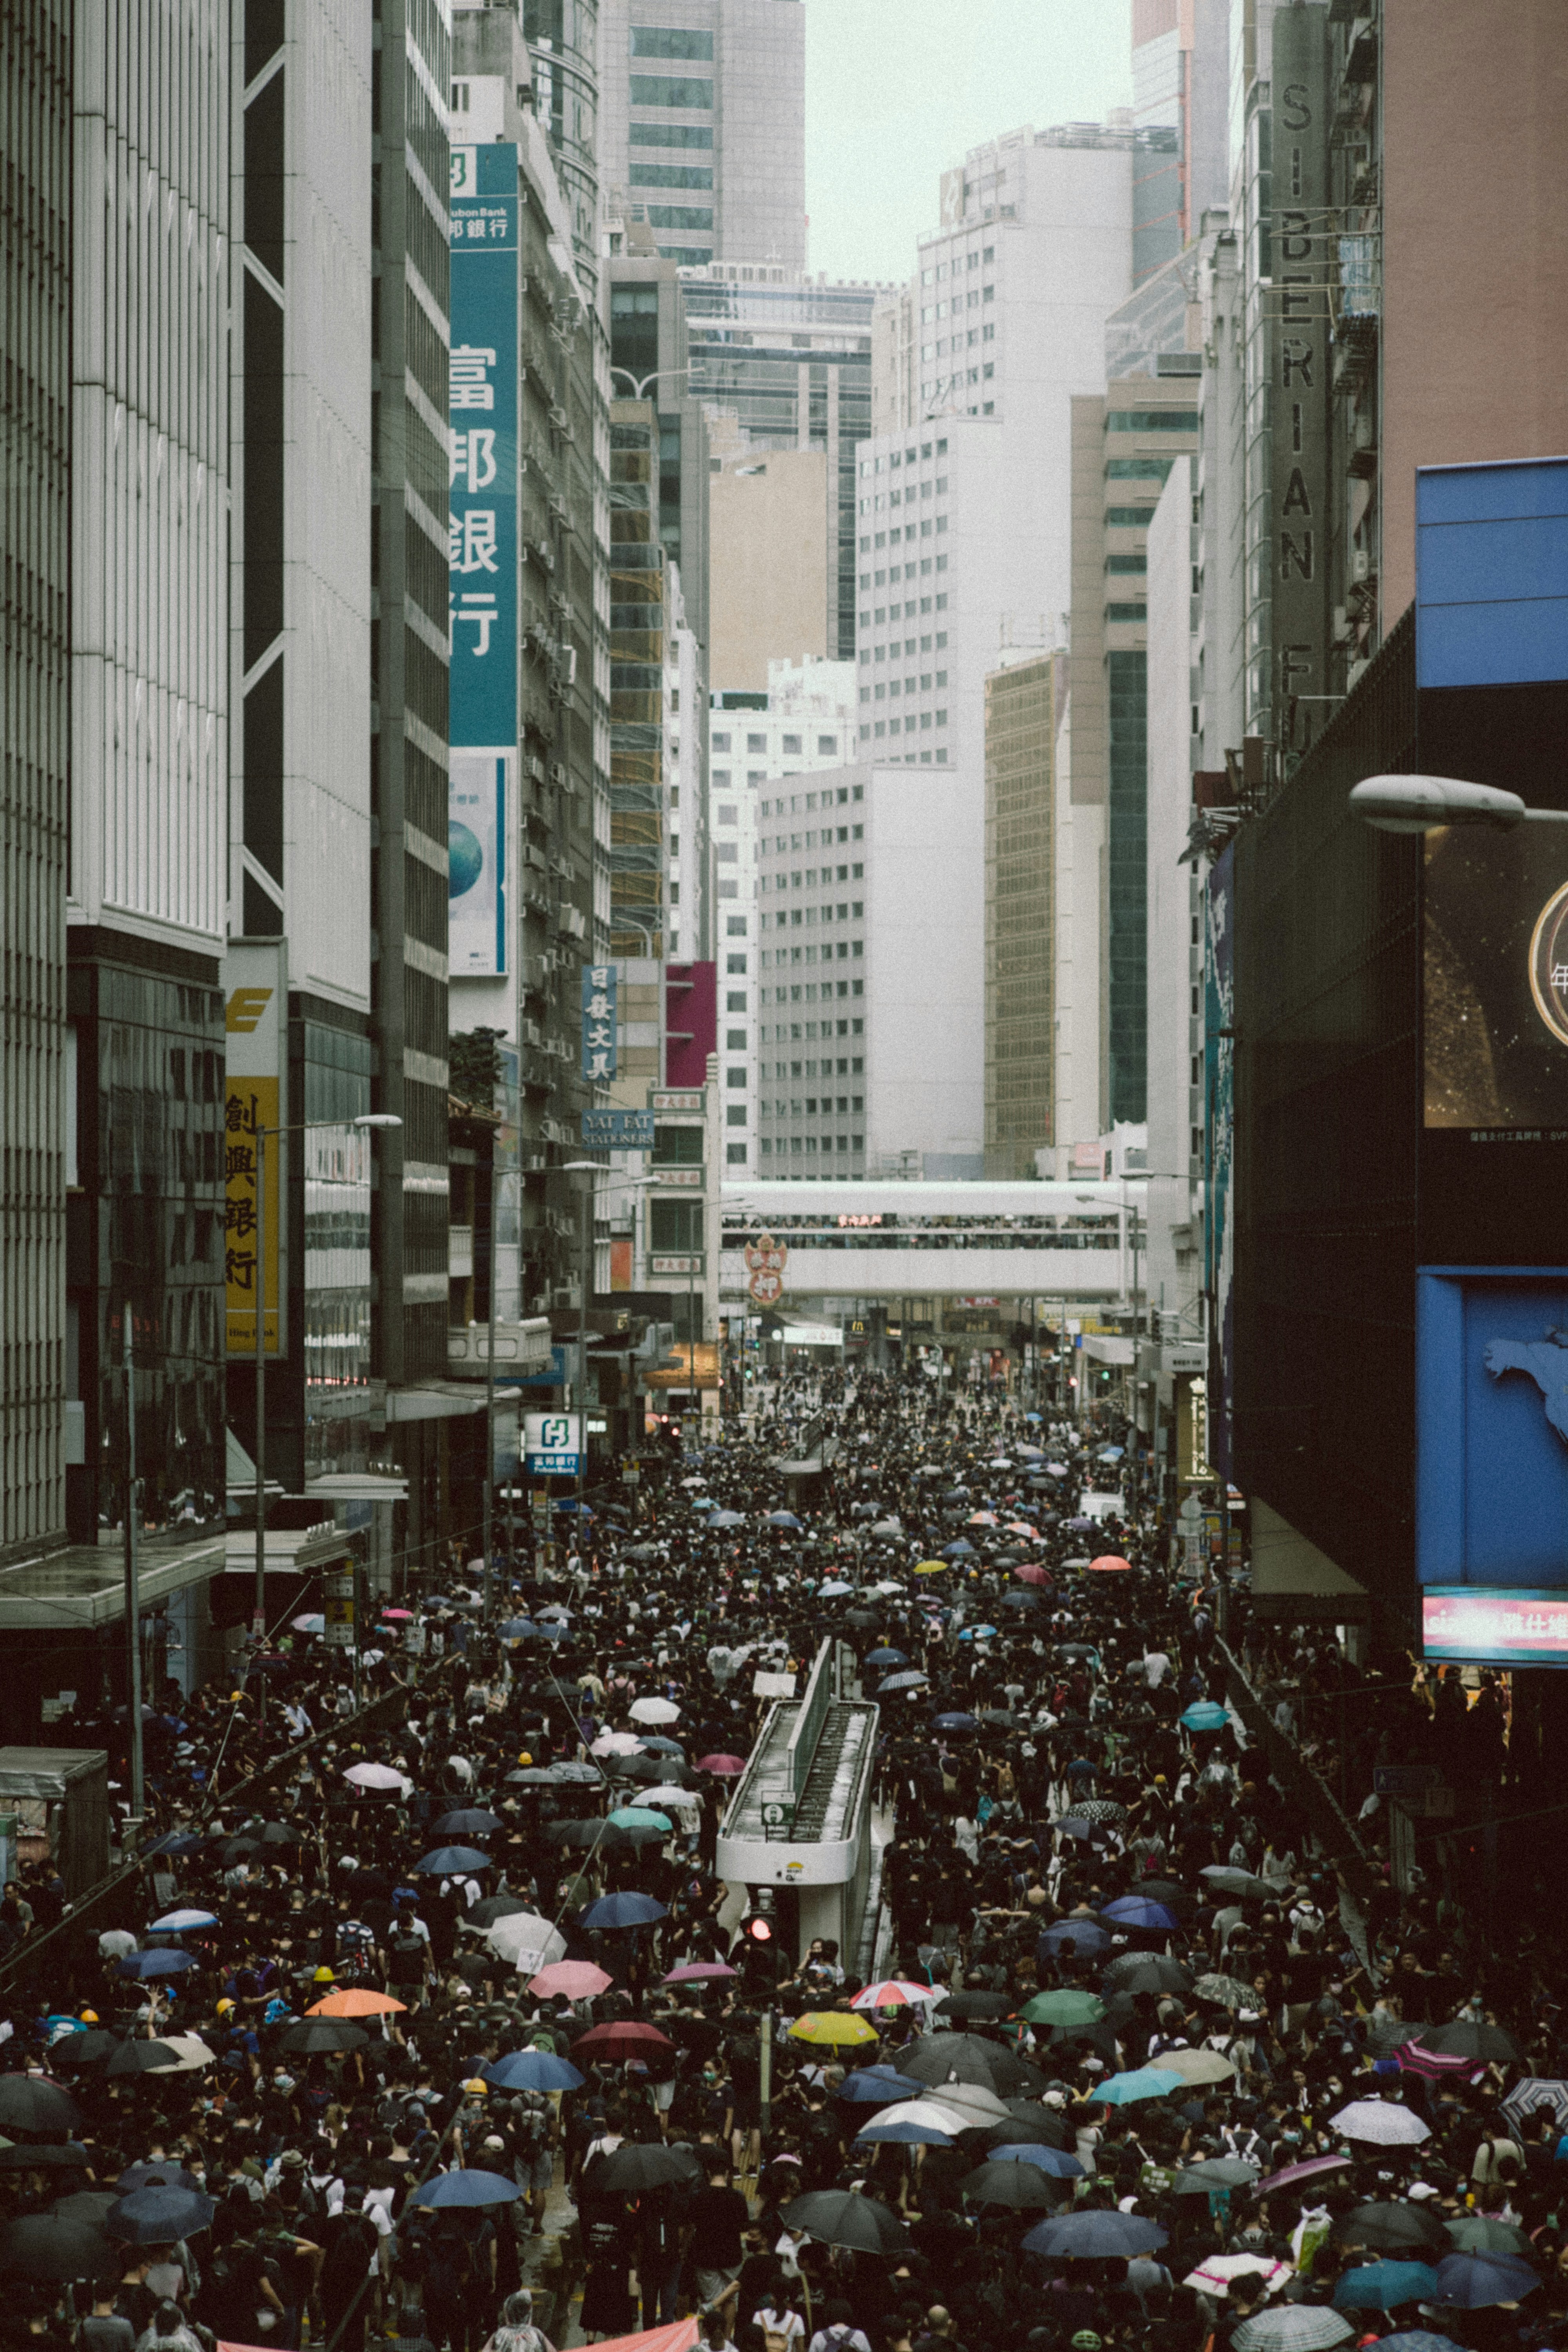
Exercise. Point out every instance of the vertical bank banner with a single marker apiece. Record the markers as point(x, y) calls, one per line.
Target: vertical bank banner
point(256, 1000)
point(1219, 1065)
point(1299, 300)
point(599, 998)
point(481, 553)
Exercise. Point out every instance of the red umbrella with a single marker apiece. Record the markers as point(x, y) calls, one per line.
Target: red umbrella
point(626, 2033)
point(699, 1972)
point(727, 1768)
point(1032, 1574)
point(1107, 1562)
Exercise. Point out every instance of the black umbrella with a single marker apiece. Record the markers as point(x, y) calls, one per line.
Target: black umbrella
point(983, 2005)
point(842, 2217)
point(492, 1907)
point(469, 1821)
point(77, 2050)
point(155, 2176)
point(1022, 2186)
point(1095, 2233)
point(1388, 2229)
point(318, 2037)
point(43, 2246)
point(280, 1834)
point(937, 2058)
point(29, 2103)
point(641, 2164)
point(1147, 1972)
point(87, 2206)
point(142, 2058)
point(157, 2217)
point(1465, 2039)
point(49, 2155)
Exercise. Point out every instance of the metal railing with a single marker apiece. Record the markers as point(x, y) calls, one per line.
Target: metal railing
point(816, 1700)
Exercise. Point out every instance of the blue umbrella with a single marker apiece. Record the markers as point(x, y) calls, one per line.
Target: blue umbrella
point(976, 1633)
point(911, 1681)
point(467, 2189)
point(954, 1722)
point(728, 1519)
point(1381, 2286)
point(885, 1658)
point(532, 2070)
point(879, 2086)
point(447, 1858)
point(518, 1629)
point(1475, 2281)
point(175, 1841)
point(959, 1550)
point(1075, 1935)
point(625, 1910)
point(1137, 1911)
point(1095, 2233)
point(570, 1506)
point(661, 1747)
point(1143, 2082)
point(907, 2135)
point(158, 1964)
point(178, 1922)
point(833, 1590)
point(782, 1519)
point(1204, 1715)
point(1054, 2160)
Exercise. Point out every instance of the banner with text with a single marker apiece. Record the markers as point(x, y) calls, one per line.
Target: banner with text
point(256, 1000)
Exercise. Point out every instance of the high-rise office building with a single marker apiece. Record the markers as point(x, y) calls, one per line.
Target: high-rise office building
point(702, 117)
point(648, 361)
point(790, 358)
point(1022, 702)
point(1180, 95)
point(806, 721)
point(152, 289)
point(870, 992)
point(35, 547)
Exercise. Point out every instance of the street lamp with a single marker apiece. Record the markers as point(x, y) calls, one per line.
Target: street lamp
point(1416, 803)
point(640, 384)
point(265, 1135)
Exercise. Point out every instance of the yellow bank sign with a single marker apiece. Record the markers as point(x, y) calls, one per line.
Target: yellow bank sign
point(256, 999)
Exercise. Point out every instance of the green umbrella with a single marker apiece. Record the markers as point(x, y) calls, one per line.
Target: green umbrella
point(637, 1817)
point(1065, 2009)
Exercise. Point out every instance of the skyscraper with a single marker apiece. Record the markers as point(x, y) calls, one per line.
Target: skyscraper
point(1180, 86)
point(703, 123)
point(35, 547)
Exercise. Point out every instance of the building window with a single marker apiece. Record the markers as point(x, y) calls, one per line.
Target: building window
point(735, 1154)
point(735, 929)
point(672, 90)
point(735, 1115)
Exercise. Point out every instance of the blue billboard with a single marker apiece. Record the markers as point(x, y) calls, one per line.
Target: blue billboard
point(482, 406)
point(1491, 1416)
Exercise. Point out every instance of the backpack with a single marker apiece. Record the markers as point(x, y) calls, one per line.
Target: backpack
point(774, 2339)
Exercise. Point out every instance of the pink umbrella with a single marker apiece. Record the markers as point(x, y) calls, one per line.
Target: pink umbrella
point(699, 1972)
point(1109, 1563)
point(981, 1518)
point(1018, 1528)
point(1294, 2173)
point(1032, 1573)
point(724, 1767)
point(578, 1979)
point(397, 1616)
point(895, 1992)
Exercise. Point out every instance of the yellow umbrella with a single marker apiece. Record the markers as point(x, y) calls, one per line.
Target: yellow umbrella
point(931, 1568)
point(833, 2026)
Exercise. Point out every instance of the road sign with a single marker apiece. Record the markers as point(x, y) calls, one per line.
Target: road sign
point(618, 1130)
point(551, 1443)
point(778, 1817)
point(1406, 1780)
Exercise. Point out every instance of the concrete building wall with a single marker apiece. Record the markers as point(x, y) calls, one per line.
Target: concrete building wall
point(1174, 958)
point(1020, 914)
point(1475, 255)
point(768, 564)
point(925, 969)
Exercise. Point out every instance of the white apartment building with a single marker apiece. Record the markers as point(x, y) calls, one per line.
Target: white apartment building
point(870, 985)
point(1004, 321)
point(688, 880)
point(806, 721)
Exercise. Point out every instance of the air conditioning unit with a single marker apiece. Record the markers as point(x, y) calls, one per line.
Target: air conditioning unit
point(535, 769)
point(1360, 564)
point(558, 775)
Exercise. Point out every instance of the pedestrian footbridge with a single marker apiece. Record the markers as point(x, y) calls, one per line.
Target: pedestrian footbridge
point(1077, 1243)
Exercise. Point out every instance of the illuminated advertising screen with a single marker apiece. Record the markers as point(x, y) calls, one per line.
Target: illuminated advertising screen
point(1491, 1415)
point(1495, 979)
point(1469, 1626)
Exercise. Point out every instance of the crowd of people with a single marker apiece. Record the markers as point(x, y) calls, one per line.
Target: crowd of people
point(435, 2024)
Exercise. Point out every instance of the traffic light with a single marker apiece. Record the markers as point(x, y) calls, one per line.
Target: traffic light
point(759, 1937)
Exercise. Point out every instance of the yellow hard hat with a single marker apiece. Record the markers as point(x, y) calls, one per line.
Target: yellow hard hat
point(475, 2088)
point(226, 2008)
point(323, 1975)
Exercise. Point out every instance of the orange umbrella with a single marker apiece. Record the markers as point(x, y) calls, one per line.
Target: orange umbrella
point(352, 2002)
point(1107, 1562)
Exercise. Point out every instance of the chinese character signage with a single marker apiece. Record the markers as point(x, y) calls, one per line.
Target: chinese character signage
point(482, 594)
point(477, 803)
point(549, 1442)
point(255, 993)
point(766, 1262)
point(599, 1022)
point(1471, 1626)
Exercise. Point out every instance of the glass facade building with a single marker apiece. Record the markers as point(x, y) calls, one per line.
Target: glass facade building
point(636, 685)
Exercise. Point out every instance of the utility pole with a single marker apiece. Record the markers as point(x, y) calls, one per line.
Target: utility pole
point(132, 1583)
point(488, 1477)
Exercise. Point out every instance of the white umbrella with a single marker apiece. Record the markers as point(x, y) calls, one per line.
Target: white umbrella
point(193, 2053)
point(1213, 2275)
point(654, 1710)
point(616, 1743)
point(1382, 2123)
point(657, 1797)
point(935, 2114)
point(972, 2100)
point(1293, 2327)
point(1198, 2066)
point(525, 1941)
point(378, 1776)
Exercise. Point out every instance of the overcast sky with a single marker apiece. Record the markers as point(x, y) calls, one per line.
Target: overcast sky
point(895, 90)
